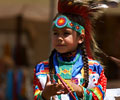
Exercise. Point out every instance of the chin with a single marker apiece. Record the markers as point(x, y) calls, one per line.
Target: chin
point(61, 51)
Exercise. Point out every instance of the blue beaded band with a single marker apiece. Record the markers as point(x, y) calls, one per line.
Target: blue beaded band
point(62, 21)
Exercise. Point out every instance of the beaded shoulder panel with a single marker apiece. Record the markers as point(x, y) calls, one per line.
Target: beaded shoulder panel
point(42, 67)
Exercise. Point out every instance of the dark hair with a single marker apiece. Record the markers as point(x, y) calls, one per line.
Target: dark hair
point(81, 21)
point(51, 66)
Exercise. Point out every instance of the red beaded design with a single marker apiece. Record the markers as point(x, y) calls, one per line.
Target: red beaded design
point(71, 24)
point(77, 27)
point(61, 21)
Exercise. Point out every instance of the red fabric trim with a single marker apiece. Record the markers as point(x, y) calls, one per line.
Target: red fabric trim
point(94, 97)
point(103, 81)
point(36, 82)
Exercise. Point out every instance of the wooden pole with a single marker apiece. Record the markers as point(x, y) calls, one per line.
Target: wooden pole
point(52, 13)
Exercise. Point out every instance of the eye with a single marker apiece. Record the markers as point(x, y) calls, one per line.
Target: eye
point(66, 33)
point(55, 33)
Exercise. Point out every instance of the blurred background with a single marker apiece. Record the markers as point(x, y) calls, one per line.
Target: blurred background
point(25, 41)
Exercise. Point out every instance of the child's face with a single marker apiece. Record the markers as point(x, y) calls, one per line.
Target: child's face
point(65, 40)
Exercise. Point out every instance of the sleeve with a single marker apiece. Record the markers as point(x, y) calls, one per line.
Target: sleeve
point(97, 92)
point(37, 88)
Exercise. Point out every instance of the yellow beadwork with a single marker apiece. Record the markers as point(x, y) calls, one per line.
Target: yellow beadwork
point(65, 71)
point(82, 72)
point(67, 84)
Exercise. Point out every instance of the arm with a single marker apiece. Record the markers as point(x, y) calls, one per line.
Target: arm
point(98, 91)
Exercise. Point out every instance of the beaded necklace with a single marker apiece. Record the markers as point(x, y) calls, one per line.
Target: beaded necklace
point(65, 68)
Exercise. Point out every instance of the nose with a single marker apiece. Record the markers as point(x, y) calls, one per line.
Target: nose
point(60, 38)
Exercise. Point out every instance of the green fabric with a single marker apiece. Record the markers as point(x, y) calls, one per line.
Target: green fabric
point(59, 97)
point(40, 96)
point(65, 68)
point(87, 94)
point(65, 71)
point(82, 81)
point(55, 77)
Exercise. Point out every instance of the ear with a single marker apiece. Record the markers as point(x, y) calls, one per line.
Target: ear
point(81, 38)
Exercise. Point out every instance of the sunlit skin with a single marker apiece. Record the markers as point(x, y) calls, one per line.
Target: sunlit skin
point(63, 40)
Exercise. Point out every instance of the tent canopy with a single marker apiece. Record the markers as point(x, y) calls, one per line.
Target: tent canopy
point(30, 9)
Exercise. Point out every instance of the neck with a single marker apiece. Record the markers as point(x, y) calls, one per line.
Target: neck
point(68, 56)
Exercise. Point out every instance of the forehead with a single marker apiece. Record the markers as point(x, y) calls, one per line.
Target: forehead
point(63, 29)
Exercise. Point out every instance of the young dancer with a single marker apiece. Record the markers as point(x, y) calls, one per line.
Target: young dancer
point(71, 73)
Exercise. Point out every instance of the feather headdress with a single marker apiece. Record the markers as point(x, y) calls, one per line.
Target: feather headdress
point(86, 9)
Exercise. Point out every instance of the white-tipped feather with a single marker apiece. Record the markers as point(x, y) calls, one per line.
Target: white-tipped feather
point(99, 3)
point(101, 6)
point(97, 7)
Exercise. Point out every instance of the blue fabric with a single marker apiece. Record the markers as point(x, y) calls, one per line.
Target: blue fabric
point(96, 67)
point(19, 81)
point(9, 89)
point(39, 67)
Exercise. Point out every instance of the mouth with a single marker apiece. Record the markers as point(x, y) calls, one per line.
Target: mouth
point(60, 45)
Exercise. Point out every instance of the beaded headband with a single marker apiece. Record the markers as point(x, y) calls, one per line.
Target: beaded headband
point(62, 21)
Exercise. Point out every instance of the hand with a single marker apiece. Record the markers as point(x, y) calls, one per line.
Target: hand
point(78, 89)
point(52, 89)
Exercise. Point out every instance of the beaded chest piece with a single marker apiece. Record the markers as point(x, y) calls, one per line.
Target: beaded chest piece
point(65, 68)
